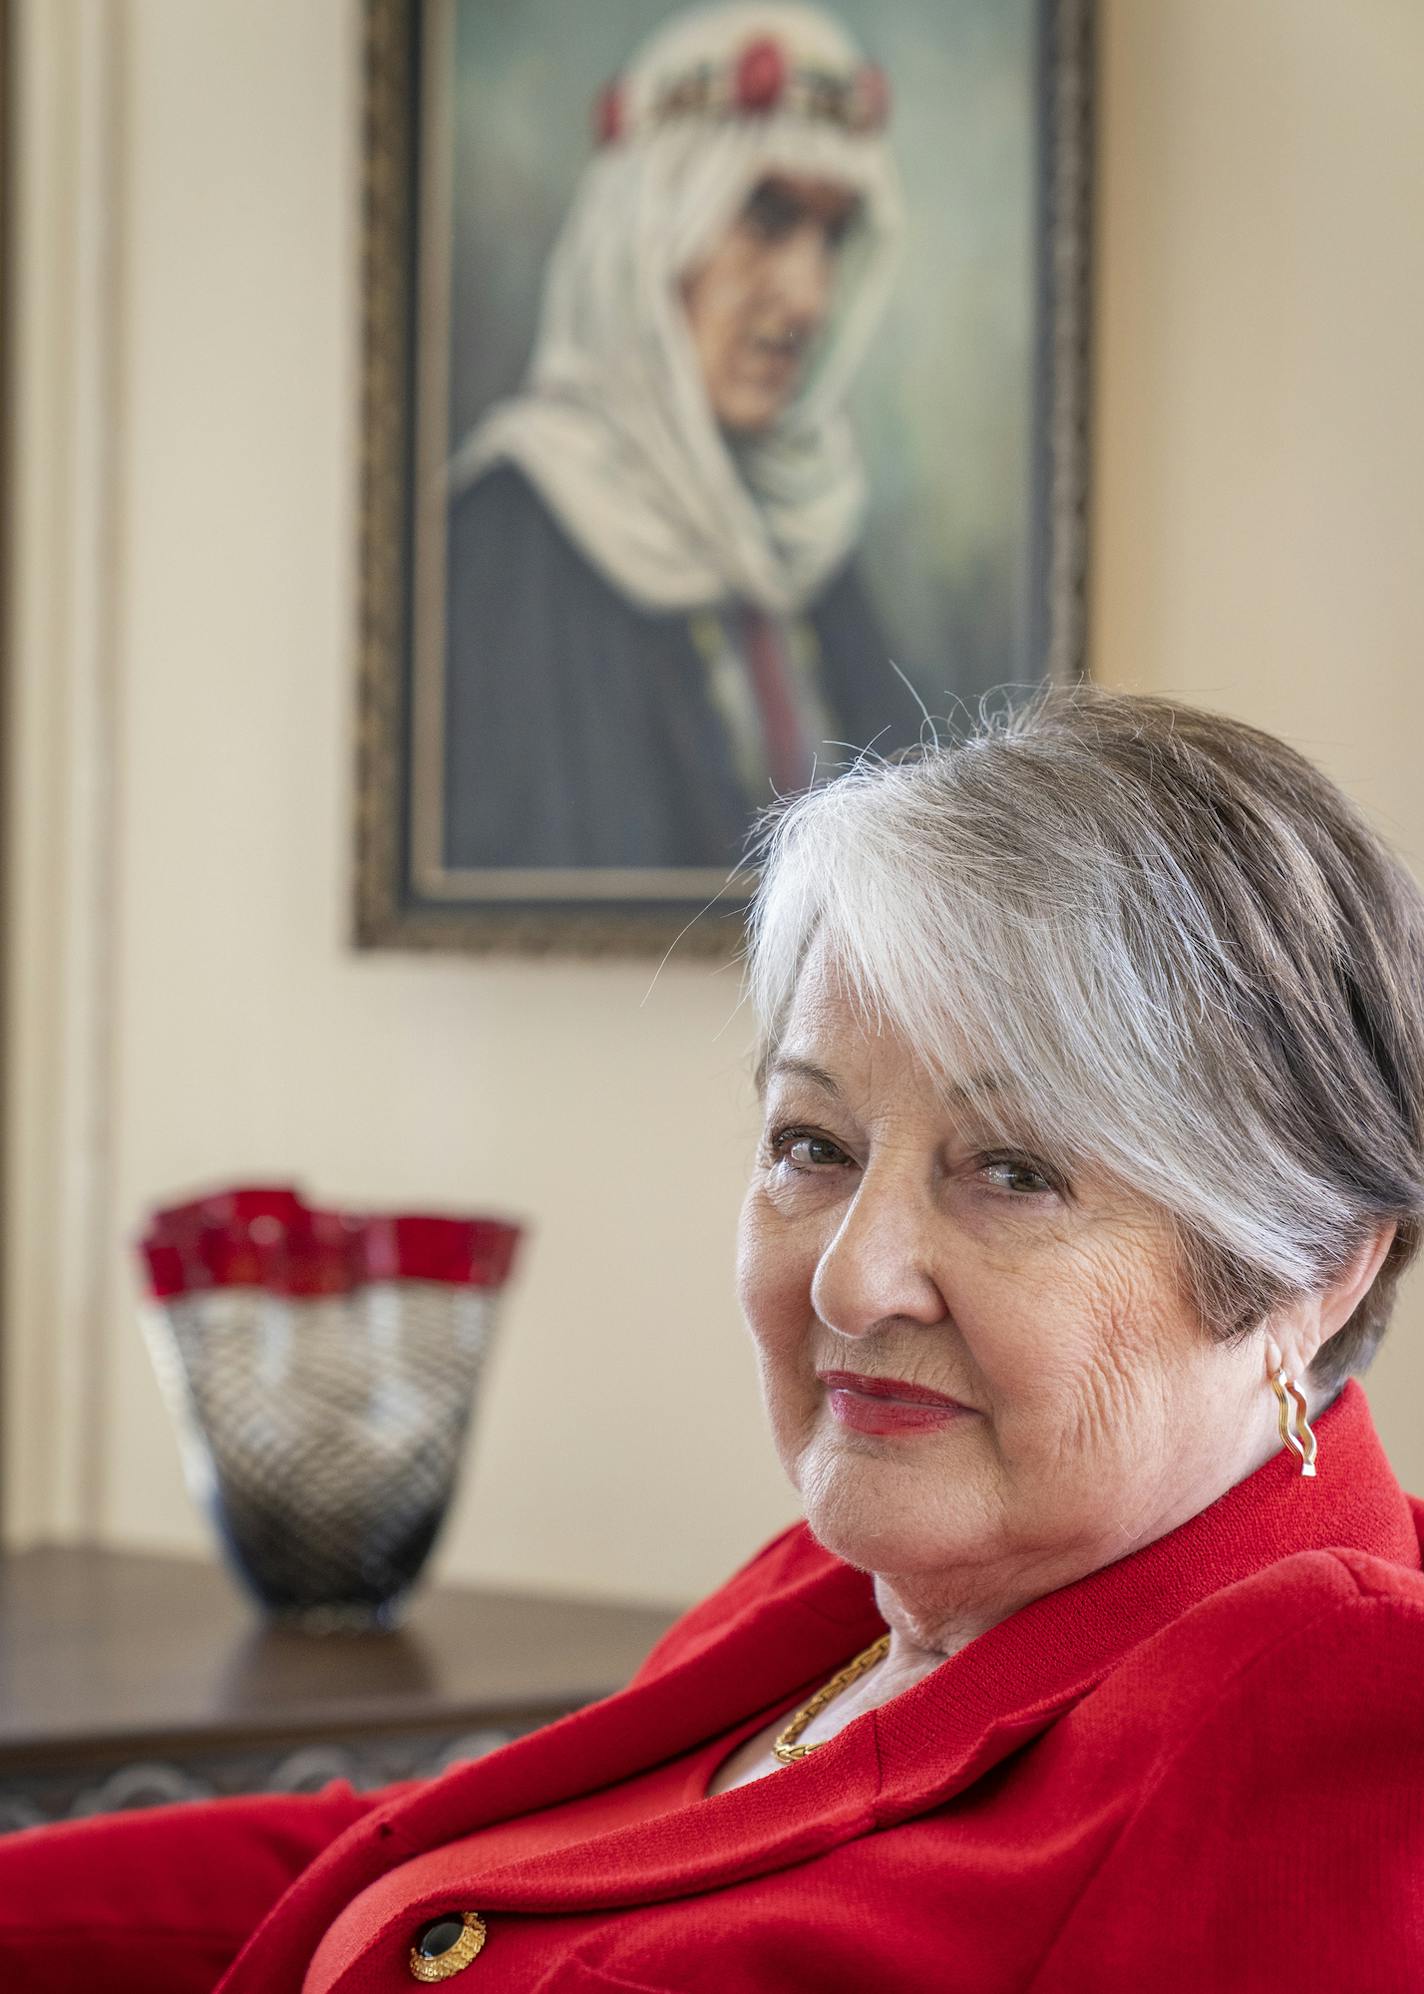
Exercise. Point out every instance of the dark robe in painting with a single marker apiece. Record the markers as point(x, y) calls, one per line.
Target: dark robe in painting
point(580, 730)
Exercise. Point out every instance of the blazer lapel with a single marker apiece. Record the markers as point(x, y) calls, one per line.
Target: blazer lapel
point(768, 1653)
point(748, 1832)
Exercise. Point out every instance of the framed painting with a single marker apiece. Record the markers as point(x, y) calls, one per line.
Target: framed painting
point(724, 418)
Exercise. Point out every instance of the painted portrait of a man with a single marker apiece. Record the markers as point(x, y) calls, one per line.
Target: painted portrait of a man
point(722, 392)
point(655, 618)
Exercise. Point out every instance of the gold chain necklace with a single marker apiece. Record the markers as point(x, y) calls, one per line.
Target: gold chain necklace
point(786, 1748)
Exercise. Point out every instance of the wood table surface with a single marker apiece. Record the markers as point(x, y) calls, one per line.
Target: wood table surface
point(113, 1654)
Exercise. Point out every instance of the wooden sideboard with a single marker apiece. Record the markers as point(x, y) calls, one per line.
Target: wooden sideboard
point(130, 1680)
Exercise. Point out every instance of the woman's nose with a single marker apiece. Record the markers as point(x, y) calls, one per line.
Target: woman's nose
point(878, 1268)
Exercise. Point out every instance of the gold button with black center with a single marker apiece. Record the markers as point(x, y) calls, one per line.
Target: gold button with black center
point(447, 1945)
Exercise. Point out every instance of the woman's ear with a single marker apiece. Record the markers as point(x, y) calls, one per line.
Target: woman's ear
point(1297, 1332)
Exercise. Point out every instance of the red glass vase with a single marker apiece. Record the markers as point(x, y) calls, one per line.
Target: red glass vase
point(323, 1369)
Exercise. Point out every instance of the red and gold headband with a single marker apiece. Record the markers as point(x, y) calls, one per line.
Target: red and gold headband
point(760, 79)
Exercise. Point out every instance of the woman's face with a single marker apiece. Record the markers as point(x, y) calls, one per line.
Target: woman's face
point(969, 1364)
point(756, 304)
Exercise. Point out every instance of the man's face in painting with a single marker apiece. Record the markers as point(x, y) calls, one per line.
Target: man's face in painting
point(755, 304)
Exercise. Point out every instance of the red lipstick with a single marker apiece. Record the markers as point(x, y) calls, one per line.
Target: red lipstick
point(887, 1405)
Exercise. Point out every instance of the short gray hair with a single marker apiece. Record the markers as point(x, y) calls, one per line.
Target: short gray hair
point(1193, 961)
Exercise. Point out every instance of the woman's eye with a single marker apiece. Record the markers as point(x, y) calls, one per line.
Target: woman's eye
point(1015, 1174)
point(804, 1149)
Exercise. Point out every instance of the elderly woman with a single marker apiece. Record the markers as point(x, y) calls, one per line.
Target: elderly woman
point(654, 613)
point(1093, 1065)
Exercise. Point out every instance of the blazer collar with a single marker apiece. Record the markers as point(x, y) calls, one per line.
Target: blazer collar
point(916, 1751)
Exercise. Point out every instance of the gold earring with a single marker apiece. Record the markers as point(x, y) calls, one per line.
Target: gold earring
point(1295, 1427)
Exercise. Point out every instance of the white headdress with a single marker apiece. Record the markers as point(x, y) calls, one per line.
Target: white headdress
point(613, 426)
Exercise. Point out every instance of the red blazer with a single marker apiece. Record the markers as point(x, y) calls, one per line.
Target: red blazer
point(1199, 1769)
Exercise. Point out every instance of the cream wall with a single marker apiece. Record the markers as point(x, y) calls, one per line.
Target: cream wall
point(182, 728)
point(222, 1027)
point(1258, 523)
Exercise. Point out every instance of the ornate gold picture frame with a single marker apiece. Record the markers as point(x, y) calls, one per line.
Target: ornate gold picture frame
point(932, 552)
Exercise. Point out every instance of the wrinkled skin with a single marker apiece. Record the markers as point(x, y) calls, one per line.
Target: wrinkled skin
point(885, 1234)
point(756, 303)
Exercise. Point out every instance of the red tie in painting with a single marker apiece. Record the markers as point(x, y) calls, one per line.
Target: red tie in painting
point(790, 756)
